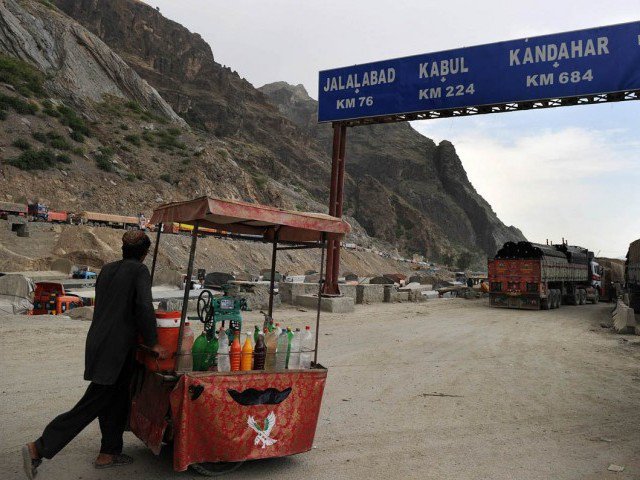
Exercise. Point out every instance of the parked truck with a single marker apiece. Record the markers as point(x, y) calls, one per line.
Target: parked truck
point(17, 209)
point(39, 212)
point(632, 275)
point(534, 276)
point(107, 219)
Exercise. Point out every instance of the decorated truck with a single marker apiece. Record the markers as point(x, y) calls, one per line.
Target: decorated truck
point(534, 276)
point(632, 275)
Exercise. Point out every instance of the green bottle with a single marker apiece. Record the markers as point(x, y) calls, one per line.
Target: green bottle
point(198, 352)
point(211, 353)
point(289, 338)
point(256, 334)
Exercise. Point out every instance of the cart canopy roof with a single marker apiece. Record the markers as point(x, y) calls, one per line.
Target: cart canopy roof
point(251, 219)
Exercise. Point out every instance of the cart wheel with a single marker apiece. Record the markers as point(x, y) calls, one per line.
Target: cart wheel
point(215, 469)
point(204, 304)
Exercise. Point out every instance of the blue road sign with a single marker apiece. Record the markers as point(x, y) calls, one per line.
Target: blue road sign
point(584, 62)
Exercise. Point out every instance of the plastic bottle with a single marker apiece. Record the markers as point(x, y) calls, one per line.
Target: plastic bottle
point(281, 354)
point(259, 353)
point(246, 362)
point(271, 340)
point(198, 352)
point(307, 347)
point(211, 352)
point(224, 364)
point(289, 338)
point(185, 360)
point(296, 344)
point(256, 332)
point(235, 352)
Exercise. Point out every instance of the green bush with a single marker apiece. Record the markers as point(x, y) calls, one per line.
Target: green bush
point(35, 160)
point(147, 135)
point(124, 126)
point(40, 136)
point(78, 150)
point(19, 105)
point(130, 177)
point(260, 180)
point(168, 139)
point(26, 79)
point(133, 139)
point(76, 136)
point(22, 144)
point(134, 107)
point(50, 109)
point(73, 120)
point(103, 159)
point(57, 141)
point(166, 177)
point(63, 158)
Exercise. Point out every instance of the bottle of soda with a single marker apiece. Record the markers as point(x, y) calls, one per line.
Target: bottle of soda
point(211, 352)
point(256, 332)
point(259, 353)
point(198, 352)
point(296, 343)
point(289, 338)
point(224, 364)
point(246, 362)
point(307, 348)
point(271, 340)
point(281, 354)
point(185, 360)
point(235, 352)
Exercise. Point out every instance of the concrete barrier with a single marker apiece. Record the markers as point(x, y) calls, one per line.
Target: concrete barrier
point(327, 304)
point(369, 294)
point(289, 291)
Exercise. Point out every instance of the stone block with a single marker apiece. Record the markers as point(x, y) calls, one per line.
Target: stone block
point(369, 294)
point(327, 304)
point(348, 290)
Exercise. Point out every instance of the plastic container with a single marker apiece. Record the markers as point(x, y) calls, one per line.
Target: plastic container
point(307, 347)
point(281, 354)
point(199, 352)
point(259, 353)
point(235, 352)
point(271, 341)
point(246, 362)
point(224, 364)
point(168, 329)
point(296, 345)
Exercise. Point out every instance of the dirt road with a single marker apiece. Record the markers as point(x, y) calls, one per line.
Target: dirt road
point(449, 389)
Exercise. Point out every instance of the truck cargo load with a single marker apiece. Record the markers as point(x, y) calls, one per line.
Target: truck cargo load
point(534, 276)
point(632, 275)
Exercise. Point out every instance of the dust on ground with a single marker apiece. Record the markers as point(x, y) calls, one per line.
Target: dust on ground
point(439, 390)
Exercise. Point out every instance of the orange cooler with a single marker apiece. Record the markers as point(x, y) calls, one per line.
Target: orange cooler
point(168, 328)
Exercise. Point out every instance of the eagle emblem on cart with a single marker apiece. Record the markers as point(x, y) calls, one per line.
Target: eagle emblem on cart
point(263, 433)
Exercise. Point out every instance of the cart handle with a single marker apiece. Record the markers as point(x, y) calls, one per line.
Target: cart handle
point(148, 351)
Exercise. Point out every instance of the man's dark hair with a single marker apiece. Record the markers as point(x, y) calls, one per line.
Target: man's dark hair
point(137, 249)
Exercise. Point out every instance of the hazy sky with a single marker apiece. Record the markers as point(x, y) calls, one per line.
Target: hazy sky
point(569, 172)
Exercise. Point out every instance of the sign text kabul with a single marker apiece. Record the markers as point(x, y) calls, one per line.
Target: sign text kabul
point(583, 62)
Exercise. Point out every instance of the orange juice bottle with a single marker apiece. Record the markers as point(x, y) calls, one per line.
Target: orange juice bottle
point(246, 362)
point(235, 352)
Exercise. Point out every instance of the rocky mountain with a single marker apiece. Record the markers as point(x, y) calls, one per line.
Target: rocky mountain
point(164, 121)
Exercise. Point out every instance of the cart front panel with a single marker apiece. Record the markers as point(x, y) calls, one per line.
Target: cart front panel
point(236, 416)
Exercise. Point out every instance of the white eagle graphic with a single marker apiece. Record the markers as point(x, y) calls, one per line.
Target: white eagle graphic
point(263, 433)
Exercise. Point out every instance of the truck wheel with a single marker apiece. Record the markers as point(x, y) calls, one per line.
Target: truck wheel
point(583, 297)
point(575, 298)
point(545, 303)
point(556, 298)
point(596, 298)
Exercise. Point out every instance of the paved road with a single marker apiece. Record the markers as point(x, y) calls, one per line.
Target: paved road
point(449, 389)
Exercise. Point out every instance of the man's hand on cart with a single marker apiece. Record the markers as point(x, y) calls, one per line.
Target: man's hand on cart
point(161, 351)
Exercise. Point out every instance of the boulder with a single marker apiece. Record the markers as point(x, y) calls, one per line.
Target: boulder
point(62, 265)
point(80, 313)
point(217, 279)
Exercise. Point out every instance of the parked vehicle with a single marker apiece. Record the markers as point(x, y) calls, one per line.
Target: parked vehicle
point(84, 273)
point(632, 275)
point(39, 212)
point(51, 298)
point(534, 276)
point(107, 219)
point(9, 208)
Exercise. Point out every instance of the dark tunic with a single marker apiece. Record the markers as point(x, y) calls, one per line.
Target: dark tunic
point(123, 309)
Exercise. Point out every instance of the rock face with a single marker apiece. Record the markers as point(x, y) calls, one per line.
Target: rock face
point(260, 144)
point(403, 185)
point(80, 66)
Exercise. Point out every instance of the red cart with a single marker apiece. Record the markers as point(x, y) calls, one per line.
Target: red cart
point(214, 418)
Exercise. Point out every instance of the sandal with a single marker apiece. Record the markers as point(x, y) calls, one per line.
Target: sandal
point(118, 460)
point(29, 464)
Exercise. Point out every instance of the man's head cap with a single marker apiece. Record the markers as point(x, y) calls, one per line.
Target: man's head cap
point(133, 237)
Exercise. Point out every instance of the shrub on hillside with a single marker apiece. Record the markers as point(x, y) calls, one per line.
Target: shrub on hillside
point(26, 79)
point(22, 144)
point(17, 104)
point(38, 160)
